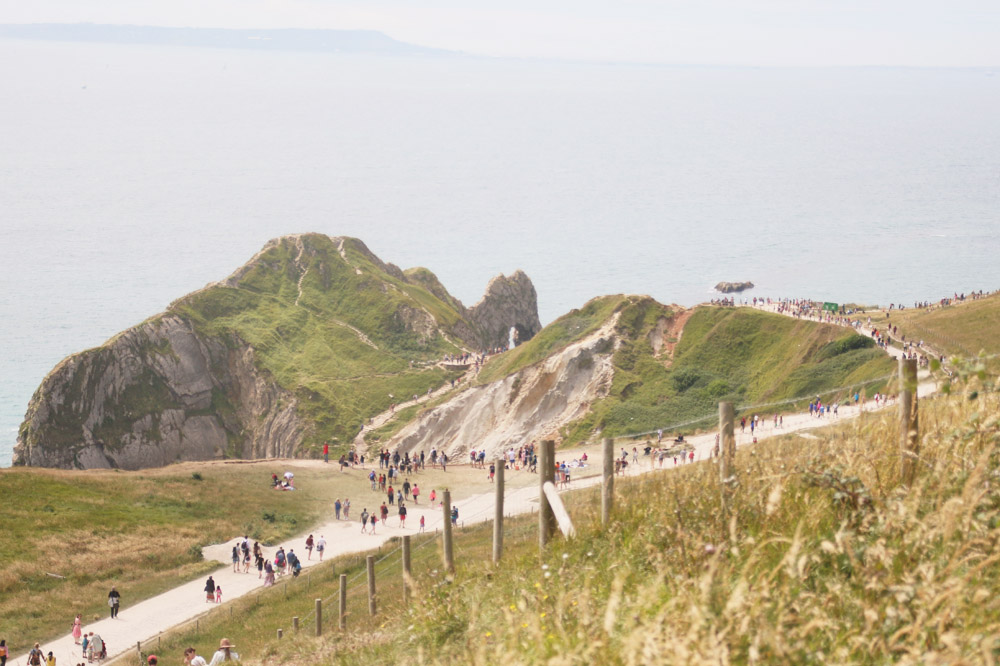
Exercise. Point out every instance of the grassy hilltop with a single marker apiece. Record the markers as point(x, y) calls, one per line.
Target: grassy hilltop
point(305, 339)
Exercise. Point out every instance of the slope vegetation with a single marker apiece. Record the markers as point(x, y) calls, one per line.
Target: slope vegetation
point(298, 347)
point(734, 354)
point(815, 552)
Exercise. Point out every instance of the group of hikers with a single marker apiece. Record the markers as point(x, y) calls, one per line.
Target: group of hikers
point(267, 568)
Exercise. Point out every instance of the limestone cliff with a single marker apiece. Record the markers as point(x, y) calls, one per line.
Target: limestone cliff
point(509, 302)
point(156, 394)
point(296, 348)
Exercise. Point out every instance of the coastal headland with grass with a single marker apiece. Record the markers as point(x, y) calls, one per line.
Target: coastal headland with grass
point(168, 434)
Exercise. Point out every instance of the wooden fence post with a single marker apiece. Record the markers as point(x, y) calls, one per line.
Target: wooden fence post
point(498, 512)
point(343, 601)
point(727, 441)
point(280, 633)
point(407, 571)
point(319, 617)
point(909, 440)
point(295, 624)
point(546, 472)
point(608, 480)
point(371, 584)
point(449, 554)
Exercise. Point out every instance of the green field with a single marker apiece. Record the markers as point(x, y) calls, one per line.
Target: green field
point(816, 554)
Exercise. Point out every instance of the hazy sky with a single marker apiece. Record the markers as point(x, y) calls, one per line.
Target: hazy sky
point(751, 32)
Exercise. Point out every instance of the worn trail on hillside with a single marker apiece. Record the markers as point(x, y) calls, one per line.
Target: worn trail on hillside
point(144, 620)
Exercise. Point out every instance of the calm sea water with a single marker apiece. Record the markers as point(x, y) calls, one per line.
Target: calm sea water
point(130, 176)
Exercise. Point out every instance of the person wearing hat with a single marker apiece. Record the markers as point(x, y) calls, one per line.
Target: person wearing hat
point(224, 653)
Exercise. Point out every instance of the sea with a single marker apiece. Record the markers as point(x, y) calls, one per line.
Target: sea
point(131, 175)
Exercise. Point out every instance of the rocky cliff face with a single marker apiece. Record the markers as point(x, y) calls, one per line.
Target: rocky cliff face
point(296, 348)
point(529, 405)
point(509, 302)
point(157, 394)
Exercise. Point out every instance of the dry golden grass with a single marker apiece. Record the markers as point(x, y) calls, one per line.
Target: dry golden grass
point(815, 554)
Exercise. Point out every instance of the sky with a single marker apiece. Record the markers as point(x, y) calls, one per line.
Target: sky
point(957, 33)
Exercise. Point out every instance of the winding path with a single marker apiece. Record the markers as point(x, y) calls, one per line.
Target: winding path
point(145, 620)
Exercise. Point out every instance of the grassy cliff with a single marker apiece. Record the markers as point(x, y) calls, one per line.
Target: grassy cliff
point(345, 335)
point(736, 354)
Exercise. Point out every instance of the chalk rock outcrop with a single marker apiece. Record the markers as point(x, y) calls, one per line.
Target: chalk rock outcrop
point(509, 302)
point(733, 287)
point(529, 405)
point(156, 394)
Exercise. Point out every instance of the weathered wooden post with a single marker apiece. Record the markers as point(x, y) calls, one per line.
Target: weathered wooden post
point(281, 633)
point(608, 480)
point(371, 585)
point(908, 423)
point(498, 512)
point(295, 624)
point(449, 554)
point(546, 472)
point(343, 601)
point(407, 572)
point(319, 617)
point(727, 441)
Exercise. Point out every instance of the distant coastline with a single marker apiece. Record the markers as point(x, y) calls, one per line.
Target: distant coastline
point(288, 39)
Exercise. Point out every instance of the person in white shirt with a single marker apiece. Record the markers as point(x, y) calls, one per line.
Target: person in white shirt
point(192, 659)
point(320, 547)
point(224, 653)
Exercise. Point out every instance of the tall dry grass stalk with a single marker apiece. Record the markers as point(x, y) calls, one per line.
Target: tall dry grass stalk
point(816, 554)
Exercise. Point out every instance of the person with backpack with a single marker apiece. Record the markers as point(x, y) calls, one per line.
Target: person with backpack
point(454, 515)
point(364, 521)
point(35, 656)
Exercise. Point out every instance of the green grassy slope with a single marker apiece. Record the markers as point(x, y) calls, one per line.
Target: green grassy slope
point(964, 329)
point(142, 532)
point(573, 326)
point(309, 349)
point(735, 354)
point(817, 554)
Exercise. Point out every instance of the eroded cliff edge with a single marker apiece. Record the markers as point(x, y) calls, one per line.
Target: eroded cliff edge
point(297, 347)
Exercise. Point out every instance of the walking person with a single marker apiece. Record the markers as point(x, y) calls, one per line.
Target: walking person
point(422, 524)
point(77, 630)
point(347, 509)
point(35, 656)
point(309, 547)
point(236, 559)
point(218, 594)
point(402, 515)
point(321, 546)
point(4, 651)
point(364, 520)
point(415, 492)
point(114, 602)
point(209, 590)
point(337, 507)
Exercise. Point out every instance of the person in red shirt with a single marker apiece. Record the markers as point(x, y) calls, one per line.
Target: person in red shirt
point(326, 452)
